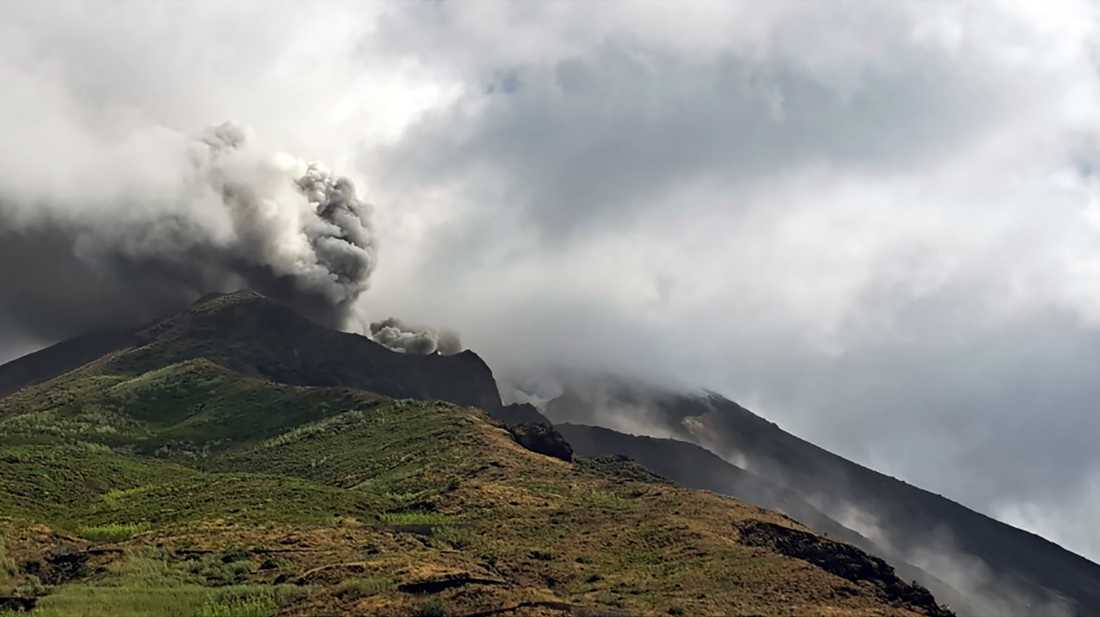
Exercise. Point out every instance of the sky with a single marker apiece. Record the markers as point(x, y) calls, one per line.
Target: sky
point(874, 223)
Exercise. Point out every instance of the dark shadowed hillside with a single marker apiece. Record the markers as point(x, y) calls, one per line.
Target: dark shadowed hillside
point(64, 356)
point(255, 335)
point(1001, 569)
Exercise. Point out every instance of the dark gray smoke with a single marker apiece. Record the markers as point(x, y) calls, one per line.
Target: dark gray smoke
point(407, 338)
point(153, 223)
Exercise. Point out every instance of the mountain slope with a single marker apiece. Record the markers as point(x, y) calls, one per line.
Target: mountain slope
point(157, 480)
point(692, 466)
point(1002, 570)
point(65, 356)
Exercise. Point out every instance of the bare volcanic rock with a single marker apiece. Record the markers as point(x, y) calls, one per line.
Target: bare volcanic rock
point(518, 413)
point(542, 438)
point(847, 562)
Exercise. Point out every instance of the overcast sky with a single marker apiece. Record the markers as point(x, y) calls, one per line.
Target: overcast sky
point(875, 223)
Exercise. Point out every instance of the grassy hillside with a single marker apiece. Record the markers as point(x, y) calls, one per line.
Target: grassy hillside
point(188, 489)
point(692, 466)
point(1001, 570)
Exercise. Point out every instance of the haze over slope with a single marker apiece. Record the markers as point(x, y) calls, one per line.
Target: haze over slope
point(999, 570)
point(692, 466)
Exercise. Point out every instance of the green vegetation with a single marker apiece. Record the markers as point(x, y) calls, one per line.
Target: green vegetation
point(355, 588)
point(181, 601)
point(138, 486)
point(144, 583)
point(431, 608)
point(116, 532)
point(51, 482)
point(416, 518)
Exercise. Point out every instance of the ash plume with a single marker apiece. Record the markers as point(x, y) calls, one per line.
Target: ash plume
point(406, 338)
point(148, 225)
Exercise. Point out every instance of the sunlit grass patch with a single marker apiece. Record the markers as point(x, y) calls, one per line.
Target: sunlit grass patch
point(114, 497)
point(114, 532)
point(416, 518)
point(241, 602)
point(605, 500)
point(128, 601)
point(177, 601)
point(146, 584)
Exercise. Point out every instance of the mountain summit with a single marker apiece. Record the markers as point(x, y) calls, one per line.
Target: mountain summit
point(257, 336)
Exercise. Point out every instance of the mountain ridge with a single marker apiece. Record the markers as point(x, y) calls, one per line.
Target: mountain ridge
point(1045, 576)
point(305, 353)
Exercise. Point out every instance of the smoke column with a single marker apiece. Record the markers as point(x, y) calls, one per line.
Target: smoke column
point(406, 338)
point(149, 224)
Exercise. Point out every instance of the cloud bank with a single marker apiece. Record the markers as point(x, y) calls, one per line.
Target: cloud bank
point(877, 224)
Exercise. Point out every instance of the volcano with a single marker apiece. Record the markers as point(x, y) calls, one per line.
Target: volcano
point(236, 456)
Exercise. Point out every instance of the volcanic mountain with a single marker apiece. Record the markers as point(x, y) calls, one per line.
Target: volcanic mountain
point(978, 564)
point(236, 459)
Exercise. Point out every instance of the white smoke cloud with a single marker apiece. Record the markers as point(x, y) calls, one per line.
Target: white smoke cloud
point(295, 218)
point(406, 338)
point(212, 208)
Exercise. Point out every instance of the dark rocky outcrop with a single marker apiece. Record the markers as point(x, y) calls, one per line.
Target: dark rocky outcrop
point(841, 560)
point(542, 438)
point(518, 413)
point(438, 584)
point(18, 604)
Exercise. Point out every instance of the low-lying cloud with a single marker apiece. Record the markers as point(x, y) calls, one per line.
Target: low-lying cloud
point(876, 224)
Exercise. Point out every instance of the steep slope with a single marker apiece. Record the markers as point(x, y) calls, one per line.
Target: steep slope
point(1001, 569)
point(65, 356)
point(191, 489)
point(692, 466)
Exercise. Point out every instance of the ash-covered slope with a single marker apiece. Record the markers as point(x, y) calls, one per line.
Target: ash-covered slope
point(254, 335)
point(1002, 570)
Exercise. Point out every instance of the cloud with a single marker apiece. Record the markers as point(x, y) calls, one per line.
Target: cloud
point(191, 213)
point(116, 205)
point(406, 338)
point(874, 224)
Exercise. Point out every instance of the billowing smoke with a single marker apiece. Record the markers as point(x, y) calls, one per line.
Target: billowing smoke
point(150, 224)
point(407, 338)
